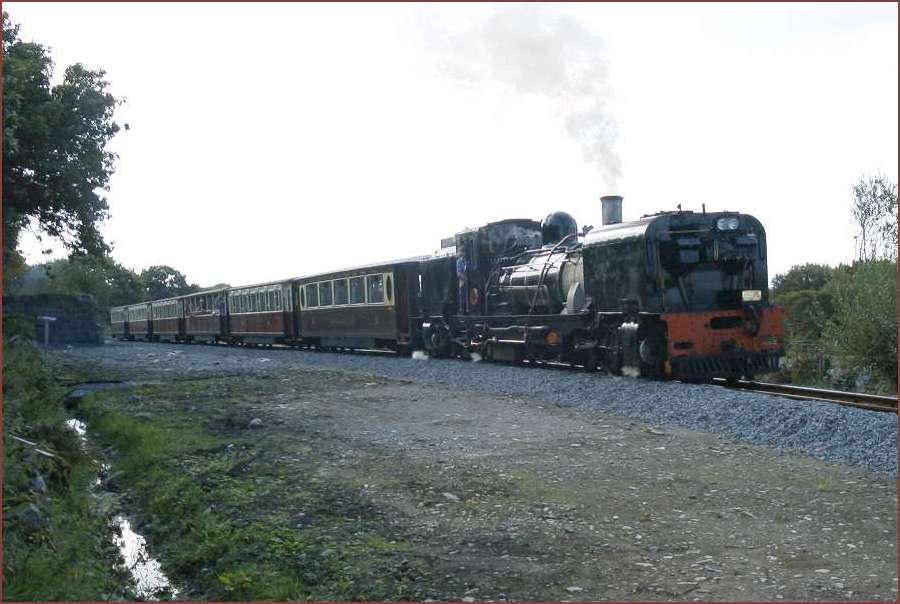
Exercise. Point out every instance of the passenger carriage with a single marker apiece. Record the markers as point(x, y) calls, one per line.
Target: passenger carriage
point(364, 307)
point(168, 319)
point(140, 324)
point(205, 316)
point(262, 314)
point(118, 322)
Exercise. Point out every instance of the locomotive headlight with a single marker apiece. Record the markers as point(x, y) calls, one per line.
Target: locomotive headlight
point(727, 224)
point(751, 295)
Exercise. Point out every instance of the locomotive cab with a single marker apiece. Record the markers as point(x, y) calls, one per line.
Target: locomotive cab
point(696, 286)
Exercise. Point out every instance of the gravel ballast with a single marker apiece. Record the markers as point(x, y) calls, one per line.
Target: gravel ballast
point(822, 430)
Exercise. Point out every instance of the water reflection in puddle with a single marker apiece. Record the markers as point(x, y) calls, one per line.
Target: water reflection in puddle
point(78, 426)
point(145, 569)
point(149, 580)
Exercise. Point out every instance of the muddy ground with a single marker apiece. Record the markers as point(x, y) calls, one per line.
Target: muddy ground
point(494, 497)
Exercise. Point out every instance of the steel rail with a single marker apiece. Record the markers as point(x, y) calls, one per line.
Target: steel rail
point(871, 402)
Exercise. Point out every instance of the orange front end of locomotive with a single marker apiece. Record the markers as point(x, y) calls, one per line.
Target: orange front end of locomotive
point(726, 343)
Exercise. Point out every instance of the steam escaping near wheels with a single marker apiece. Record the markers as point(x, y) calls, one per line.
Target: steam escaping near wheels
point(419, 355)
point(632, 372)
point(474, 357)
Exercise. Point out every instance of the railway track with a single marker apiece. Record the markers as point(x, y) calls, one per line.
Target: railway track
point(871, 402)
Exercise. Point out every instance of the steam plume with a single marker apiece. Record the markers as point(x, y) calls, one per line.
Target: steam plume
point(535, 50)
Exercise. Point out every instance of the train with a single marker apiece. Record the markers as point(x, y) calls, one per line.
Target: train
point(672, 295)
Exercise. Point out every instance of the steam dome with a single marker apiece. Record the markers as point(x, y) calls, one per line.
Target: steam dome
point(556, 226)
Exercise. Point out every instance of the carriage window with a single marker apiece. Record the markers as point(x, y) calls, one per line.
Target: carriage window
point(357, 291)
point(389, 290)
point(375, 289)
point(312, 296)
point(340, 291)
point(273, 297)
point(325, 293)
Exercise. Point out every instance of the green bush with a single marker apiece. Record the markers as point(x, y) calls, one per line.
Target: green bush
point(861, 335)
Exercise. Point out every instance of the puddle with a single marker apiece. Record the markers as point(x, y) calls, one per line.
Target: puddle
point(79, 427)
point(150, 583)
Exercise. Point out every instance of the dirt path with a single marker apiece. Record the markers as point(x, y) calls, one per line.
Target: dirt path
point(504, 497)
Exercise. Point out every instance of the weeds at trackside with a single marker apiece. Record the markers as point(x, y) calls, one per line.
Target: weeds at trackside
point(232, 515)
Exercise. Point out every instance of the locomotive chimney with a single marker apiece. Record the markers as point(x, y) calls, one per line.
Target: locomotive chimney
point(611, 206)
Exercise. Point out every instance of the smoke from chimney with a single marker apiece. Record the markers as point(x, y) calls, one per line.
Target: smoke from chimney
point(536, 50)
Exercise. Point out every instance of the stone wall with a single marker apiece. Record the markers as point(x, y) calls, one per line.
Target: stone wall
point(77, 317)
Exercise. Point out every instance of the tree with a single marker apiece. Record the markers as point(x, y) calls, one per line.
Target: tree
point(801, 277)
point(874, 212)
point(164, 282)
point(55, 161)
point(110, 283)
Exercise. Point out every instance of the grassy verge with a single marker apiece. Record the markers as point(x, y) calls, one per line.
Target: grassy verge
point(234, 512)
point(56, 542)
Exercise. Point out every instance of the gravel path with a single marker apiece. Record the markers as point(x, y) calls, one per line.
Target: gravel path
point(822, 430)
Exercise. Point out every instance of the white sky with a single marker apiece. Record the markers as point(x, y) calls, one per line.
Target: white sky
point(270, 141)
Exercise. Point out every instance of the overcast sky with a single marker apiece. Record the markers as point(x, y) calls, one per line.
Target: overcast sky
point(270, 141)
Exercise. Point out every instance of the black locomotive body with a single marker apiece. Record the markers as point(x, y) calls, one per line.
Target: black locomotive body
point(676, 294)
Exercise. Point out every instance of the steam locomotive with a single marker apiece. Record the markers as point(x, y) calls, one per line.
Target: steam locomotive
point(672, 295)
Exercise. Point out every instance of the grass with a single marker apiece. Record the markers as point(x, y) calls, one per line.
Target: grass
point(64, 550)
point(234, 515)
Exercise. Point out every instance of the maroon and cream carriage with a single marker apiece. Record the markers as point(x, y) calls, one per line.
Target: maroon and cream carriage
point(364, 307)
point(261, 314)
point(168, 319)
point(118, 322)
point(140, 324)
point(205, 316)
